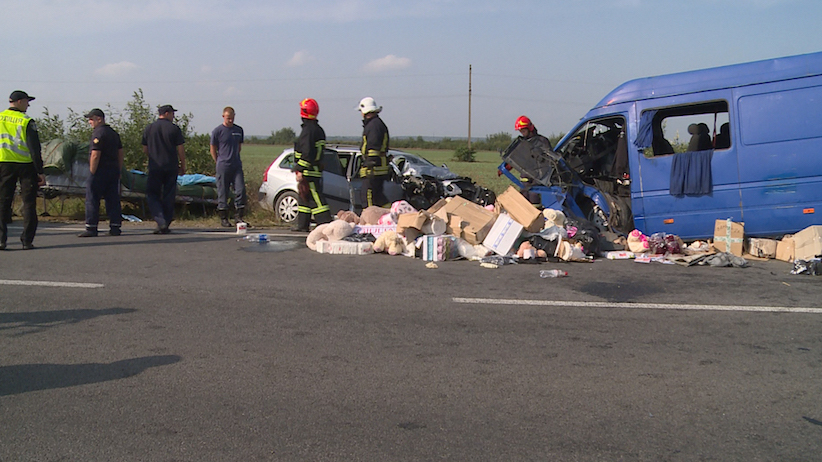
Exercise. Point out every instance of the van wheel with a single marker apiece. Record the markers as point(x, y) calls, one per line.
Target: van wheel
point(286, 207)
point(597, 216)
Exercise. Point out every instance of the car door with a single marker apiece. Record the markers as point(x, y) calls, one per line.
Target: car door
point(335, 183)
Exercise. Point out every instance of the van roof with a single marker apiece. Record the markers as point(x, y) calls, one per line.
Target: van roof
point(735, 75)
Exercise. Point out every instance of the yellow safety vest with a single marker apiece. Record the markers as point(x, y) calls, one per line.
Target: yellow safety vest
point(13, 140)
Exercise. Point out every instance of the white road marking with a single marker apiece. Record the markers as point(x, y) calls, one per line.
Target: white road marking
point(79, 285)
point(641, 306)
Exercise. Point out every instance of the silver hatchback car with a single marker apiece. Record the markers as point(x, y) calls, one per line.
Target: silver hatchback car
point(341, 184)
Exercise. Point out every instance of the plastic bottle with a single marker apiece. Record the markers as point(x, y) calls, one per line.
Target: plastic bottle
point(554, 273)
point(262, 238)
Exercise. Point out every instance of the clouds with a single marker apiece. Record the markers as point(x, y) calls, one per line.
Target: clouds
point(300, 58)
point(388, 63)
point(116, 69)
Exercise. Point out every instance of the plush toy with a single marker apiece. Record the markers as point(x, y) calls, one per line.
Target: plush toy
point(638, 242)
point(334, 231)
point(527, 251)
point(371, 215)
point(400, 207)
point(349, 216)
point(389, 242)
point(387, 219)
point(553, 218)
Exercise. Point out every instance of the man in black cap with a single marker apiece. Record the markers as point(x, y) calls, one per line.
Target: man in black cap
point(105, 161)
point(163, 142)
point(20, 160)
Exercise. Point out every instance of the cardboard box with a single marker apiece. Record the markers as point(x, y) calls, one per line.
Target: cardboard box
point(503, 234)
point(413, 220)
point(518, 207)
point(786, 249)
point(475, 221)
point(728, 236)
point(762, 248)
point(808, 243)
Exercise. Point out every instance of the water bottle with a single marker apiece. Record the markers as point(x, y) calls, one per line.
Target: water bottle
point(261, 238)
point(554, 273)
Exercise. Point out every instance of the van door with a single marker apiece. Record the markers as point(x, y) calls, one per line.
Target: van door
point(779, 138)
point(683, 182)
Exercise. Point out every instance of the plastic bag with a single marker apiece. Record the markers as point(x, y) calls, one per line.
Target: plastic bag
point(811, 267)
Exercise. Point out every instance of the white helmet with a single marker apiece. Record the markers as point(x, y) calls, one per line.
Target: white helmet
point(368, 104)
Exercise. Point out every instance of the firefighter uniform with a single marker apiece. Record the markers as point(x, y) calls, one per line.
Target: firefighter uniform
point(20, 160)
point(374, 170)
point(308, 152)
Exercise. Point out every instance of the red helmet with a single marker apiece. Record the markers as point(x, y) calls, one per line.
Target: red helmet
point(523, 122)
point(309, 108)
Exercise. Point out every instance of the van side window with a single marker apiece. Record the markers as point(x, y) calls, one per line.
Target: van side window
point(695, 127)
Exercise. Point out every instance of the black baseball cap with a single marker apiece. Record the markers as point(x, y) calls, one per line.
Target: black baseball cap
point(166, 108)
point(95, 112)
point(17, 95)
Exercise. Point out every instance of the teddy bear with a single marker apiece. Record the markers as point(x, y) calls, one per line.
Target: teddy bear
point(389, 242)
point(638, 242)
point(371, 215)
point(349, 216)
point(334, 231)
point(553, 218)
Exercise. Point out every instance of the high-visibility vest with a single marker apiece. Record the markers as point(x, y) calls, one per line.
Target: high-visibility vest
point(13, 140)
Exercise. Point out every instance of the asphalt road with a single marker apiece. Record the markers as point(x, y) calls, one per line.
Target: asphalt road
point(189, 347)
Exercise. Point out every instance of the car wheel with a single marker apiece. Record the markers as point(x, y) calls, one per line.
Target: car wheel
point(286, 207)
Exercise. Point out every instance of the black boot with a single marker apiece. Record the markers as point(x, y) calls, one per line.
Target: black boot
point(224, 218)
point(239, 216)
point(303, 222)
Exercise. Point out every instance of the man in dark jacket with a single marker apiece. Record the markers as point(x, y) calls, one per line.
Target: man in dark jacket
point(105, 161)
point(163, 142)
point(375, 143)
point(308, 154)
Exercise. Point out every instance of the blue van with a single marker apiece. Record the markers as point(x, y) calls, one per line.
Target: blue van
point(674, 153)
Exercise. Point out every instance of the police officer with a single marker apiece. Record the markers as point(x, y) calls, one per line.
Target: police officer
point(163, 143)
point(308, 154)
point(375, 140)
point(105, 162)
point(20, 160)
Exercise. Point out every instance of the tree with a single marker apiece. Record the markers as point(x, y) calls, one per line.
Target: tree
point(283, 136)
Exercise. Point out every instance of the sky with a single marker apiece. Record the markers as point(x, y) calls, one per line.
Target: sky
point(551, 60)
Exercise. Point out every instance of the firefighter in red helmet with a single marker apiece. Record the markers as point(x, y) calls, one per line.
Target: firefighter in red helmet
point(527, 131)
point(308, 154)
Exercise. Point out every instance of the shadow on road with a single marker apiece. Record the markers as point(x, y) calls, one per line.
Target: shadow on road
point(37, 321)
point(24, 378)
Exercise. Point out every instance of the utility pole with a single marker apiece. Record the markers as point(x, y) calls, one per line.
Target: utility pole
point(469, 107)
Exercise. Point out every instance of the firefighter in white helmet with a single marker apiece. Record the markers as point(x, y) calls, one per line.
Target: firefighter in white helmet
point(374, 170)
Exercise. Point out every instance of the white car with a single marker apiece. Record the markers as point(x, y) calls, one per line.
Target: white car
point(341, 182)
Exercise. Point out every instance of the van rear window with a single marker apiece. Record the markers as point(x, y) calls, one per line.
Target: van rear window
point(781, 116)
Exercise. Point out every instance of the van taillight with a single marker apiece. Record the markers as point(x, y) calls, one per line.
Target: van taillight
point(808, 211)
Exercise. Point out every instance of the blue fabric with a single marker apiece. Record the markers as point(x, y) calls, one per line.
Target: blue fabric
point(691, 173)
point(644, 135)
point(196, 178)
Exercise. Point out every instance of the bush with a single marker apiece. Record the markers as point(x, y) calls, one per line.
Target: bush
point(463, 154)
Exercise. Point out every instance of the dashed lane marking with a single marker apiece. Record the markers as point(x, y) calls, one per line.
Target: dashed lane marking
point(78, 285)
point(637, 306)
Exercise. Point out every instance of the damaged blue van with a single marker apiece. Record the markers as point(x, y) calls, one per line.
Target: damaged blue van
point(676, 152)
